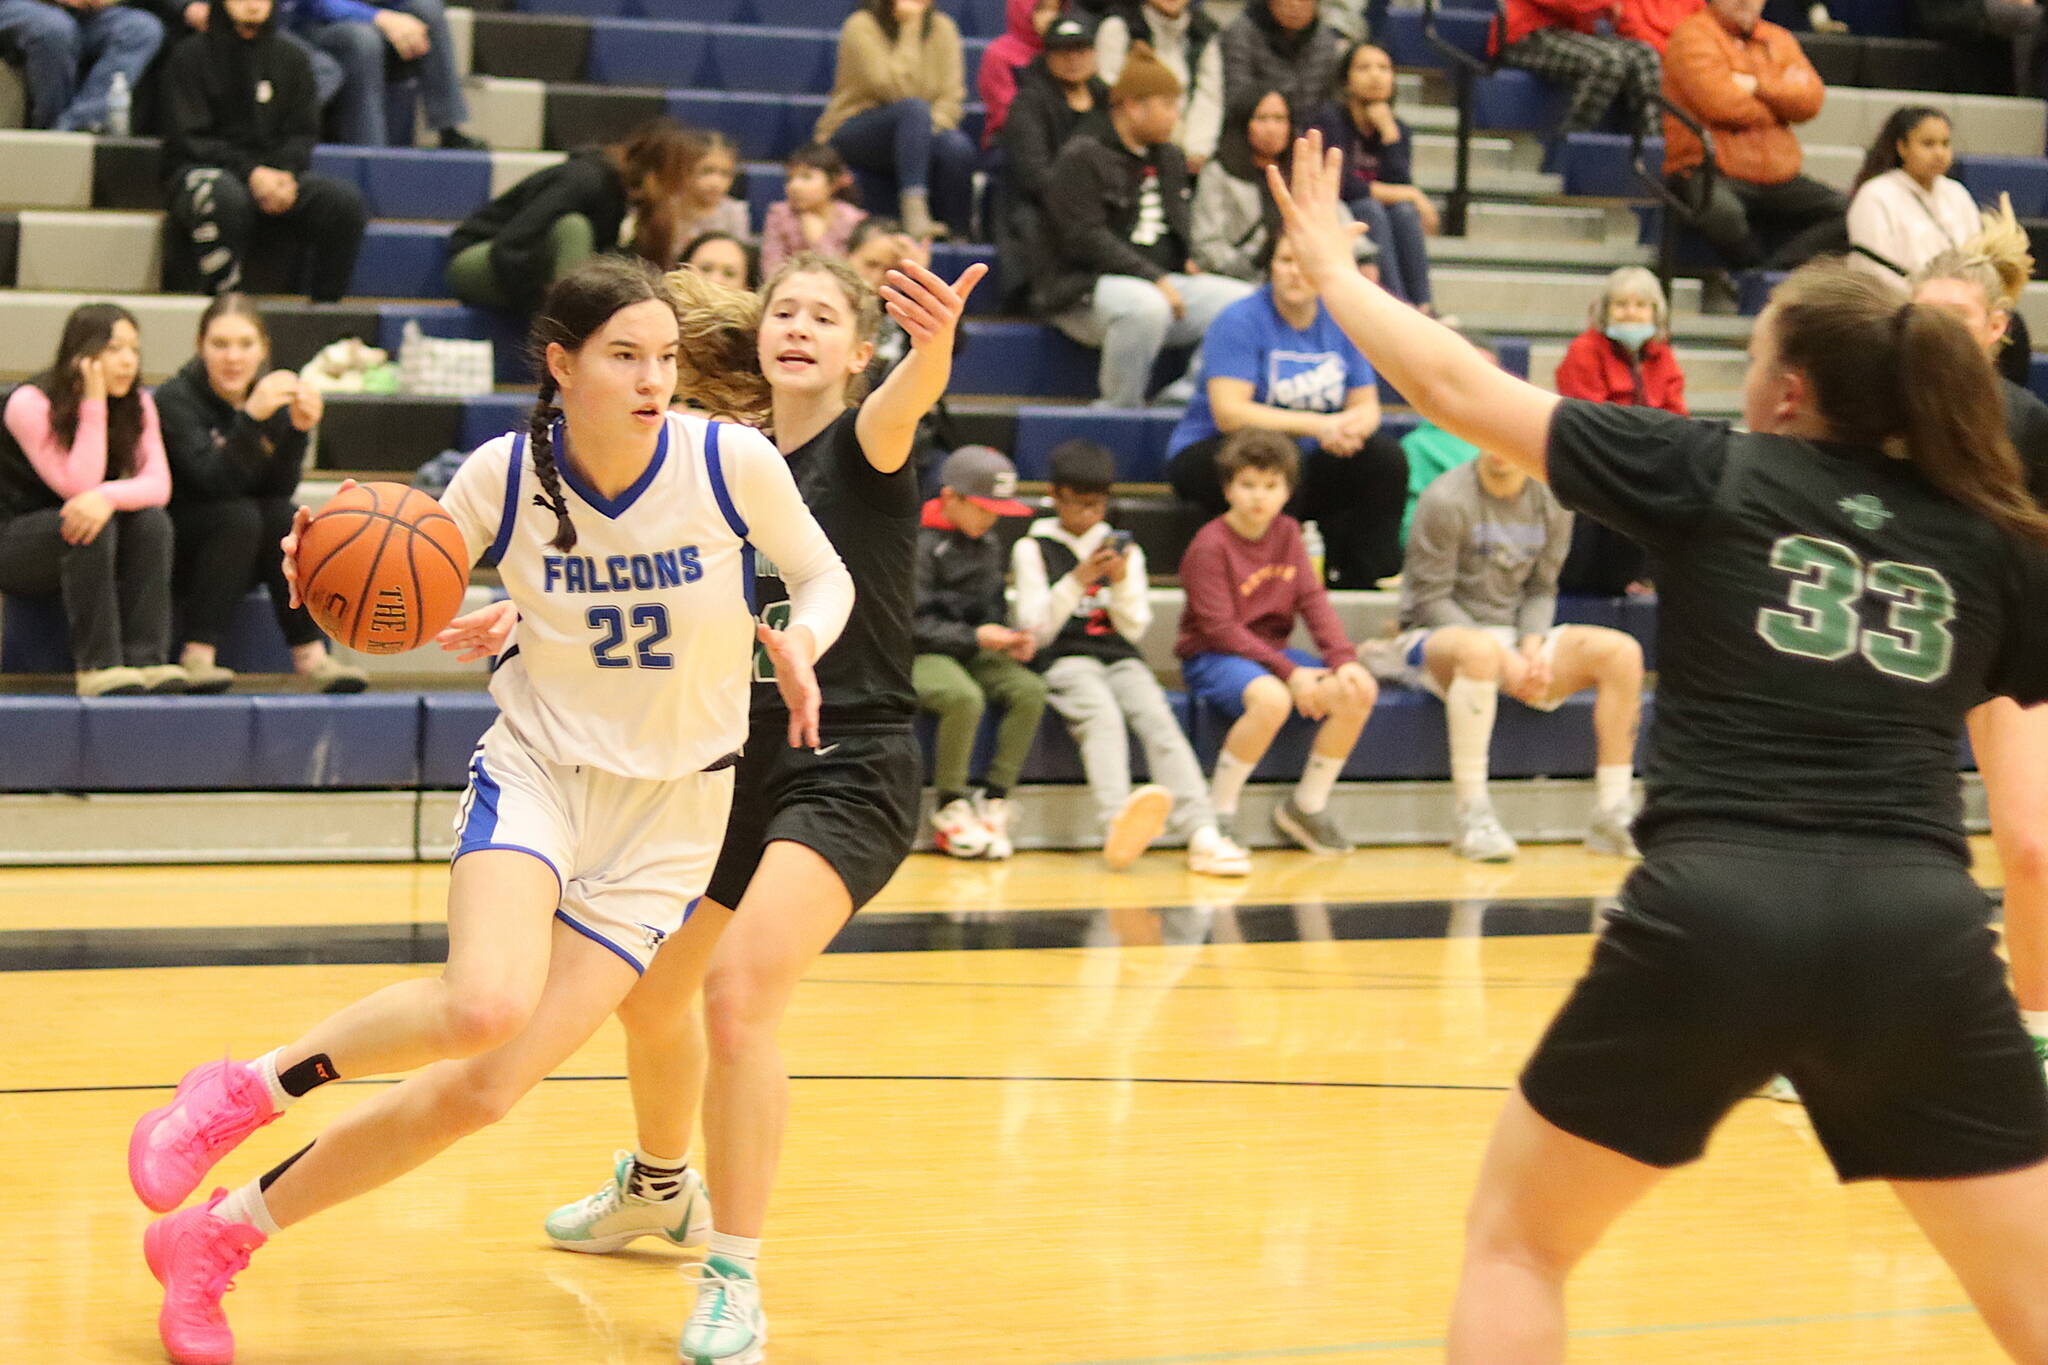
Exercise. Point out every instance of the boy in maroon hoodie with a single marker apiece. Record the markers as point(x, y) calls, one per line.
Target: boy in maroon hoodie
point(1247, 577)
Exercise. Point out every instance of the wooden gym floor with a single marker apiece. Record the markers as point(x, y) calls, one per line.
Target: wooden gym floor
point(1179, 1122)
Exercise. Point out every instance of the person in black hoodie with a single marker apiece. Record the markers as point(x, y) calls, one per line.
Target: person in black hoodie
point(241, 119)
point(1118, 272)
point(508, 252)
point(236, 443)
point(1058, 97)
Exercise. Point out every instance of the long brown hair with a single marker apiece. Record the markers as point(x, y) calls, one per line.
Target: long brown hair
point(656, 160)
point(1908, 379)
point(87, 332)
point(883, 12)
point(577, 307)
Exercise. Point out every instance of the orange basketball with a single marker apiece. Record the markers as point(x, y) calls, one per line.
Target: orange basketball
point(382, 568)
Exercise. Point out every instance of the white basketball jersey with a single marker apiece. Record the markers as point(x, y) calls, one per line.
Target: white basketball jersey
point(633, 652)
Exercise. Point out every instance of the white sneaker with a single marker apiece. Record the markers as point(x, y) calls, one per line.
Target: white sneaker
point(1609, 834)
point(1134, 827)
point(727, 1326)
point(994, 812)
point(959, 831)
point(1480, 836)
point(611, 1218)
point(1211, 853)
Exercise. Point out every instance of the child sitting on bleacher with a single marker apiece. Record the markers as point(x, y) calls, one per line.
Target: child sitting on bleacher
point(1248, 578)
point(707, 204)
point(1478, 609)
point(1083, 596)
point(814, 216)
point(966, 656)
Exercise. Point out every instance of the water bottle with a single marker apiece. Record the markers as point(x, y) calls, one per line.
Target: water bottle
point(119, 101)
point(1312, 542)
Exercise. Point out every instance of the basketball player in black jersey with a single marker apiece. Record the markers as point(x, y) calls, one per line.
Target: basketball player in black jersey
point(1837, 591)
point(816, 832)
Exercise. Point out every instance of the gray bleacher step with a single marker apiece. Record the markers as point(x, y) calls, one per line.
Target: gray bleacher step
point(98, 251)
point(1692, 331)
point(36, 318)
point(41, 170)
point(1437, 154)
point(1525, 224)
point(1519, 297)
point(1538, 255)
point(1518, 184)
point(1985, 125)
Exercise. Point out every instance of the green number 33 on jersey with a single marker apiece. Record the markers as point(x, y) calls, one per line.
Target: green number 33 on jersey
point(775, 616)
point(1828, 578)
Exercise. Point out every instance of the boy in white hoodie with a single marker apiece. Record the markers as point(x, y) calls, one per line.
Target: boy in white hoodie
point(1082, 593)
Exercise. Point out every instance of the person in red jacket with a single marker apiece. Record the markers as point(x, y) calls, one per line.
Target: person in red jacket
point(1560, 41)
point(1652, 21)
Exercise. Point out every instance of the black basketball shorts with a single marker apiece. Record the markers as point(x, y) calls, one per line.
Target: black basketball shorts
point(853, 800)
point(1864, 970)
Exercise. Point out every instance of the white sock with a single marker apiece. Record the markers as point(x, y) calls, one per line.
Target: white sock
point(1228, 781)
point(2036, 1022)
point(655, 1179)
point(1469, 706)
point(246, 1206)
point(1614, 783)
point(745, 1250)
point(266, 1067)
point(1312, 793)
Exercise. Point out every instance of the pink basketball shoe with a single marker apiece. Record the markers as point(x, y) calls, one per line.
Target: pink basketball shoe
point(194, 1255)
point(172, 1148)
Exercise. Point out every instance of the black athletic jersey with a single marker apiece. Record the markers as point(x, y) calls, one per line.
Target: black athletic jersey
point(871, 519)
point(1089, 631)
point(2026, 421)
point(1826, 618)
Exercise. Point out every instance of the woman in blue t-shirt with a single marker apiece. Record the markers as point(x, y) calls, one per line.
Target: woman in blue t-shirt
point(1278, 362)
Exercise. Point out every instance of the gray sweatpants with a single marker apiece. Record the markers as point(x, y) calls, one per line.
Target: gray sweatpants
point(1097, 700)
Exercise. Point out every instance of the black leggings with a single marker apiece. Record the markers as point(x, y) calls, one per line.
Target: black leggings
point(226, 547)
point(1356, 500)
point(116, 590)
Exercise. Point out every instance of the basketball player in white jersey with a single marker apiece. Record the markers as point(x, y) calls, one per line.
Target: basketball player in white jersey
point(597, 802)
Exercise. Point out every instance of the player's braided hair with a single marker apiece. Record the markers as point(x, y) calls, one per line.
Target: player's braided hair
point(577, 307)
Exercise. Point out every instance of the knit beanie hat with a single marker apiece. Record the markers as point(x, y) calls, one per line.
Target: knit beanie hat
point(1143, 76)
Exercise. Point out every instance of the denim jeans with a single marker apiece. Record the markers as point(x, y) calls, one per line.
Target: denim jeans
point(1130, 319)
point(1396, 230)
point(362, 56)
point(72, 55)
point(896, 145)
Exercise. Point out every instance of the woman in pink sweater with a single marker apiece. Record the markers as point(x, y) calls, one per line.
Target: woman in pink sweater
point(83, 483)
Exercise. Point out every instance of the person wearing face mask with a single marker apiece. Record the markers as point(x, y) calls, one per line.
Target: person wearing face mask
point(1624, 356)
point(1905, 209)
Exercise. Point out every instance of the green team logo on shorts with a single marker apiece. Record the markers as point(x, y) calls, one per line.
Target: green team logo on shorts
point(775, 616)
point(1866, 511)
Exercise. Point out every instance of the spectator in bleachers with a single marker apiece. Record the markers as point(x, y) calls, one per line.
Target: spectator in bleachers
point(1904, 210)
point(1478, 618)
point(83, 483)
point(1184, 39)
point(369, 43)
point(1432, 451)
point(1379, 176)
point(1969, 24)
point(1119, 270)
point(236, 439)
point(182, 17)
point(1624, 356)
point(897, 95)
point(71, 50)
point(1280, 45)
point(814, 215)
point(1277, 361)
point(1248, 578)
point(707, 203)
point(241, 117)
point(1560, 41)
point(1748, 83)
point(1233, 218)
point(1653, 21)
point(1059, 97)
point(1003, 60)
point(724, 258)
point(507, 253)
point(967, 658)
point(1084, 597)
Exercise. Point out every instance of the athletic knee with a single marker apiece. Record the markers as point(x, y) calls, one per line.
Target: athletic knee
point(739, 1015)
point(2024, 856)
point(479, 1020)
point(1267, 702)
point(468, 1101)
point(653, 1016)
point(1495, 1232)
point(1473, 654)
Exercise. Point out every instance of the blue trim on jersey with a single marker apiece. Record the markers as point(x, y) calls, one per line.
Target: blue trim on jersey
point(504, 658)
point(510, 515)
point(545, 861)
point(480, 820)
point(747, 576)
point(716, 468)
point(613, 508)
point(639, 968)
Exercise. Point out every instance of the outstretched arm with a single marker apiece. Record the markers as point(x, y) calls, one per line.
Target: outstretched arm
point(929, 310)
point(1440, 373)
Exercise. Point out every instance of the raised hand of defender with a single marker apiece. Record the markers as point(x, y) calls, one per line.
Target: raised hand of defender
point(481, 634)
point(926, 307)
point(797, 681)
point(301, 519)
point(1321, 237)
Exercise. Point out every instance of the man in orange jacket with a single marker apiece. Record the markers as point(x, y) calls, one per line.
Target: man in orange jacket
point(1748, 82)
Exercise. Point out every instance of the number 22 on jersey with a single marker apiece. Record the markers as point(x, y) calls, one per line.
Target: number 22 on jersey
point(650, 625)
point(1829, 578)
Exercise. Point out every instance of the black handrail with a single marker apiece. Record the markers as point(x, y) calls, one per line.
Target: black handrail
point(1676, 206)
point(1464, 68)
